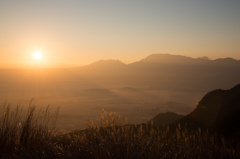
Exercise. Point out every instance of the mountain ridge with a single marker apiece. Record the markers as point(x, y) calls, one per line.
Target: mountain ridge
point(218, 110)
point(170, 58)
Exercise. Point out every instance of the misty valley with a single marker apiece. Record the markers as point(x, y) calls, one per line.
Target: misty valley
point(138, 91)
point(163, 106)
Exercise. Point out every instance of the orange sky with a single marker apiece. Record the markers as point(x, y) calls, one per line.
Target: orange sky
point(75, 33)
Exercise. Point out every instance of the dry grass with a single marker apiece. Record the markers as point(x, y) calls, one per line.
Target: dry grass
point(26, 133)
point(33, 135)
point(115, 139)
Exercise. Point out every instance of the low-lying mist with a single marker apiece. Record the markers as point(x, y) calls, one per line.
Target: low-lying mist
point(137, 91)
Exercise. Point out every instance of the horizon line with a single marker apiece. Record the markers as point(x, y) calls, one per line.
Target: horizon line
point(58, 66)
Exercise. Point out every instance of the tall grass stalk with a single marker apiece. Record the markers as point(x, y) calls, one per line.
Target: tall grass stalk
point(32, 134)
point(113, 138)
point(24, 133)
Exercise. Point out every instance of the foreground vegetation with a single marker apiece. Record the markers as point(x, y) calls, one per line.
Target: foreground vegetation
point(32, 134)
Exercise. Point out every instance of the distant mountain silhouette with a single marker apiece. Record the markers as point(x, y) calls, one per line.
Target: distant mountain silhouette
point(164, 71)
point(167, 58)
point(226, 61)
point(105, 71)
point(155, 72)
point(98, 92)
point(179, 59)
point(219, 111)
point(105, 65)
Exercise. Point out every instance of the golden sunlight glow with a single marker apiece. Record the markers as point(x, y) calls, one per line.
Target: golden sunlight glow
point(37, 55)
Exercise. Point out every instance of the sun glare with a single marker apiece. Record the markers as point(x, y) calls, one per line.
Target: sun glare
point(37, 55)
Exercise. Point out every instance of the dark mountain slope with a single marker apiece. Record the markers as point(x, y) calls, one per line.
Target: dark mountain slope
point(165, 118)
point(218, 111)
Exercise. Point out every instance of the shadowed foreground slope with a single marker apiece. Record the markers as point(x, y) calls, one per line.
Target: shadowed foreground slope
point(165, 118)
point(114, 138)
point(219, 111)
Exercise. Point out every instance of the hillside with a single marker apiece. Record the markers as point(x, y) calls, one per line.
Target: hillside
point(219, 111)
point(165, 118)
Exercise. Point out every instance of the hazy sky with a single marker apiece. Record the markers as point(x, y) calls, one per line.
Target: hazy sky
point(75, 32)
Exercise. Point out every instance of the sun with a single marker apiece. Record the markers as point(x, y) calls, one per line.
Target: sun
point(37, 55)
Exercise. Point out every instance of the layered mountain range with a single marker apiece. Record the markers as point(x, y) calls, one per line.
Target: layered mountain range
point(156, 84)
point(164, 71)
point(155, 72)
